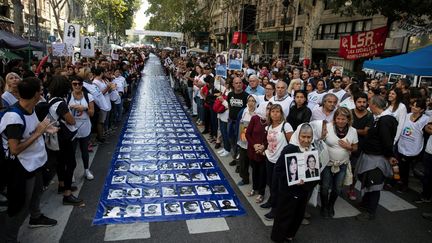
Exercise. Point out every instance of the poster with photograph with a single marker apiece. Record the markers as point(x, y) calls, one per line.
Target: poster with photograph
point(71, 34)
point(235, 61)
point(221, 70)
point(114, 56)
point(58, 49)
point(69, 50)
point(88, 46)
point(302, 167)
point(106, 49)
point(183, 51)
point(76, 57)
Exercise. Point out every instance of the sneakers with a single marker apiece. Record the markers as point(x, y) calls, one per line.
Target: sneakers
point(224, 153)
point(232, 163)
point(42, 221)
point(269, 216)
point(88, 175)
point(72, 200)
point(220, 151)
point(422, 200)
point(352, 195)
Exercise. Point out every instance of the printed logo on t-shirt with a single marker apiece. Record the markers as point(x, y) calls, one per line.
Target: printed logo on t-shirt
point(407, 131)
point(236, 102)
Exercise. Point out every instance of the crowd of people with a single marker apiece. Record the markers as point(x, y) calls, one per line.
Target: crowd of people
point(365, 129)
point(48, 112)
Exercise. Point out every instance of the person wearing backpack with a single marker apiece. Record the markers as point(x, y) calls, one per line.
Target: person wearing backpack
point(81, 104)
point(59, 111)
point(24, 147)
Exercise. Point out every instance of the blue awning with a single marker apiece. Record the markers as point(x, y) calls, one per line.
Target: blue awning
point(10, 41)
point(418, 62)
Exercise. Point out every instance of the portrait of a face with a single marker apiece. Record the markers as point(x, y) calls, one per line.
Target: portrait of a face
point(115, 193)
point(172, 208)
point(191, 207)
point(209, 206)
point(152, 210)
point(112, 212)
point(133, 211)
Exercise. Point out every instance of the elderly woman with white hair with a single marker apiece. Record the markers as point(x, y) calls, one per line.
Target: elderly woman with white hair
point(294, 85)
point(11, 96)
point(292, 200)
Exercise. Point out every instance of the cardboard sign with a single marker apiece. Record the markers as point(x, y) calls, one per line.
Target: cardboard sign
point(88, 46)
point(71, 34)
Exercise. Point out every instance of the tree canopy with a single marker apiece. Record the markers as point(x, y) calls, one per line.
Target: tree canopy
point(177, 15)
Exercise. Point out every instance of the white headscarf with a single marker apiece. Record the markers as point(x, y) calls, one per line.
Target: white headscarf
point(295, 137)
point(261, 111)
point(317, 129)
point(256, 100)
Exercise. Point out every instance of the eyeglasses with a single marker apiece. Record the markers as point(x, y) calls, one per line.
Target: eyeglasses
point(77, 84)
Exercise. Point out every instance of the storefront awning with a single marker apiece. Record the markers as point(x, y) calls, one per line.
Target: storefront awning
point(10, 41)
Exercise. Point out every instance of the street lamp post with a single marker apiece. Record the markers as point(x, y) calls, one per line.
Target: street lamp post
point(285, 3)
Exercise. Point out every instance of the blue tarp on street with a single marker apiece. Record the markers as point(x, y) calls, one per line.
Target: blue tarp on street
point(417, 62)
point(162, 169)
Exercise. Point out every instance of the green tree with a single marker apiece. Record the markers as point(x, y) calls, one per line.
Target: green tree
point(177, 15)
point(112, 17)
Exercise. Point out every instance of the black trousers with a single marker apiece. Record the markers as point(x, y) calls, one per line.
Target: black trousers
point(244, 165)
point(370, 201)
point(272, 183)
point(66, 163)
point(258, 176)
point(289, 213)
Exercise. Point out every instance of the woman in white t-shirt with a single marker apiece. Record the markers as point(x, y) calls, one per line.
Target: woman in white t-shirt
point(279, 133)
point(397, 109)
point(105, 89)
point(315, 97)
point(81, 105)
point(341, 140)
point(410, 142)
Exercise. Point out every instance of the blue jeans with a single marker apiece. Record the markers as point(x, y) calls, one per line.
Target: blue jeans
point(333, 181)
point(232, 135)
point(118, 108)
point(200, 108)
point(223, 126)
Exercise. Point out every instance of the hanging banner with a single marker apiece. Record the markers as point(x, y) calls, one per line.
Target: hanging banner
point(239, 38)
point(162, 169)
point(364, 44)
point(235, 61)
point(71, 34)
point(87, 46)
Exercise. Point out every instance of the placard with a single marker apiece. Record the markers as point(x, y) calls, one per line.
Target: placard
point(302, 167)
point(235, 61)
point(183, 51)
point(106, 49)
point(87, 46)
point(58, 49)
point(71, 34)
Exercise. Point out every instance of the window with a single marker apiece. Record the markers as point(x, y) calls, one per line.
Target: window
point(299, 33)
point(300, 10)
point(329, 31)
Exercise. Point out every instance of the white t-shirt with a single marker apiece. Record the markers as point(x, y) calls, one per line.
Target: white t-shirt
point(276, 141)
point(284, 102)
point(400, 115)
point(120, 83)
point(348, 103)
point(315, 98)
point(339, 94)
point(102, 86)
point(428, 148)
point(318, 114)
point(98, 97)
point(336, 152)
point(34, 156)
point(411, 138)
point(82, 119)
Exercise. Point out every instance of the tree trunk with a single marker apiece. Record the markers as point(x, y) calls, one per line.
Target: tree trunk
point(313, 16)
point(18, 17)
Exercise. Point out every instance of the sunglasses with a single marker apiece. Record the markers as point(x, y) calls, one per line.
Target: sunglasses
point(77, 84)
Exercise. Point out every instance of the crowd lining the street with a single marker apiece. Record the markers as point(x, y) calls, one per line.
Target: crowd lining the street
point(48, 111)
point(364, 128)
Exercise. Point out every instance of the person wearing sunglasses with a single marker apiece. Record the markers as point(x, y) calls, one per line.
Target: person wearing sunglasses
point(81, 103)
point(337, 89)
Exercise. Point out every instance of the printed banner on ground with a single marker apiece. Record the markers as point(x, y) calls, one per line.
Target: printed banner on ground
point(364, 44)
point(162, 170)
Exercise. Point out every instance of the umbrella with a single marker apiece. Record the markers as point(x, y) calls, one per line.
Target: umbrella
point(196, 50)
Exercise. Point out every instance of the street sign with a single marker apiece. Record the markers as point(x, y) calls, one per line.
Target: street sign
point(51, 38)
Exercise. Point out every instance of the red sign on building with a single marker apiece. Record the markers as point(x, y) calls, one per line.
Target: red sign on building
point(239, 37)
point(364, 44)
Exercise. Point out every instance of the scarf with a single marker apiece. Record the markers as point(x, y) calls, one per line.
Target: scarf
point(341, 133)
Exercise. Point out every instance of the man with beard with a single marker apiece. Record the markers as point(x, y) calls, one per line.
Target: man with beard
point(362, 121)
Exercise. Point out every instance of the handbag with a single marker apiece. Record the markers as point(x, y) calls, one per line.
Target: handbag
point(348, 180)
point(51, 141)
point(218, 106)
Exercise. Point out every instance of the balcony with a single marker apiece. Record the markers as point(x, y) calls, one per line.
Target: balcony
point(286, 21)
point(270, 23)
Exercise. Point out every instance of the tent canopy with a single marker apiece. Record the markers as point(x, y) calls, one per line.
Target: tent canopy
point(14, 42)
point(417, 62)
